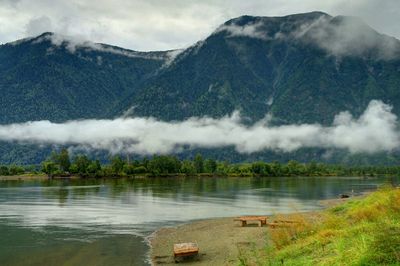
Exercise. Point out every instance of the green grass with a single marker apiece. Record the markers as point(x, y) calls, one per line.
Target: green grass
point(362, 231)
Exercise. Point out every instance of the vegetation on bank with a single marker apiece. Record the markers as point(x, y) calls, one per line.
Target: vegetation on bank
point(62, 164)
point(359, 232)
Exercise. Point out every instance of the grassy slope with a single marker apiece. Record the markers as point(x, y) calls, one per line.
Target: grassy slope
point(360, 232)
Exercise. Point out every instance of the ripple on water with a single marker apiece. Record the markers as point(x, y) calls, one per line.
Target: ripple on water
point(100, 220)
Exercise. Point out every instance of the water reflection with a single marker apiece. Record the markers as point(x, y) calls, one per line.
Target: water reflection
point(49, 215)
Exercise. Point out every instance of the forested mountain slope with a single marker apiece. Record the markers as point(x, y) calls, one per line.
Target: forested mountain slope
point(302, 68)
point(299, 68)
point(48, 77)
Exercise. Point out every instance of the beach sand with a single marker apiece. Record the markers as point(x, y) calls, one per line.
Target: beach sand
point(221, 241)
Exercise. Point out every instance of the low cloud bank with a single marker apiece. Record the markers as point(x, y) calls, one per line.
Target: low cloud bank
point(252, 30)
point(375, 130)
point(348, 36)
point(76, 42)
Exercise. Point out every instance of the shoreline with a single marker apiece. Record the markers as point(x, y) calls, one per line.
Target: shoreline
point(23, 177)
point(222, 241)
point(30, 177)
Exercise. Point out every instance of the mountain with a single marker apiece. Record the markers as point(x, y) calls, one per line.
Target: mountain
point(298, 68)
point(50, 77)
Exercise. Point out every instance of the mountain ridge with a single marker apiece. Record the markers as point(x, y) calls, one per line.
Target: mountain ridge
point(256, 56)
point(301, 68)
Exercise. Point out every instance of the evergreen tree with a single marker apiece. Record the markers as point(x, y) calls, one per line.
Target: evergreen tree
point(199, 163)
point(117, 165)
point(49, 168)
point(188, 167)
point(63, 160)
point(82, 162)
point(210, 166)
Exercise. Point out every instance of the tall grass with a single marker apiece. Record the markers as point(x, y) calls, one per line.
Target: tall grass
point(359, 232)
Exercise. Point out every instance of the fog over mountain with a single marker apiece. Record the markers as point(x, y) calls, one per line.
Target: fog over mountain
point(258, 84)
point(374, 131)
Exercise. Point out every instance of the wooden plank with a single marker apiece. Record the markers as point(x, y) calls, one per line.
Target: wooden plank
point(186, 254)
point(251, 218)
point(185, 249)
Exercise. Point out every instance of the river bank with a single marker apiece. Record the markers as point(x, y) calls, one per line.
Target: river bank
point(23, 177)
point(223, 241)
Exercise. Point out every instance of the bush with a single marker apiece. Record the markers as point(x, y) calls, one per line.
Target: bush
point(139, 170)
point(4, 170)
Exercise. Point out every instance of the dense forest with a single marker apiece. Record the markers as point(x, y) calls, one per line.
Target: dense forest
point(61, 164)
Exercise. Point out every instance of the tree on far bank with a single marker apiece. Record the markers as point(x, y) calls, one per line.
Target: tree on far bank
point(210, 166)
point(117, 165)
point(63, 160)
point(4, 170)
point(198, 163)
point(94, 168)
point(49, 168)
point(81, 162)
point(188, 167)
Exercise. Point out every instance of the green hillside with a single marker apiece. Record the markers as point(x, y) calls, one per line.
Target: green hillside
point(303, 68)
point(40, 80)
point(289, 77)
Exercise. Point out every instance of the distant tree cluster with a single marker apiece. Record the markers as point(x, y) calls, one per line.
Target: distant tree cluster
point(161, 165)
point(11, 170)
point(62, 164)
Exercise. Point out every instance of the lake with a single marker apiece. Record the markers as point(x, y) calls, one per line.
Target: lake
point(106, 221)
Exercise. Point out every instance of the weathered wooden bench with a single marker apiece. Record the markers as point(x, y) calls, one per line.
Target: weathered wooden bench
point(262, 220)
point(185, 250)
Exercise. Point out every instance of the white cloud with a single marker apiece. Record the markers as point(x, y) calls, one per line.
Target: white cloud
point(251, 30)
point(171, 24)
point(38, 25)
point(338, 36)
point(343, 36)
point(73, 43)
point(375, 130)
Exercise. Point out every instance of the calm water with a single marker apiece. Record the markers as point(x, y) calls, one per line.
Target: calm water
point(105, 222)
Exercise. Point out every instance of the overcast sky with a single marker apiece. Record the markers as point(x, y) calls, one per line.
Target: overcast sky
point(168, 24)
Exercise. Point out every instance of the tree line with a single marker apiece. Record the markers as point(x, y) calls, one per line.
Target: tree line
point(62, 164)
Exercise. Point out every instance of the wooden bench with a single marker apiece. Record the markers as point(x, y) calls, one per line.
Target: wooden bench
point(262, 220)
point(185, 250)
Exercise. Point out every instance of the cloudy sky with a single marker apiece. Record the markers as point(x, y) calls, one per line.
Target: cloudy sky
point(168, 24)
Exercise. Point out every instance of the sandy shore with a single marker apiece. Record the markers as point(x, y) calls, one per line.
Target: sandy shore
point(221, 241)
point(28, 177)
point(23, 177)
